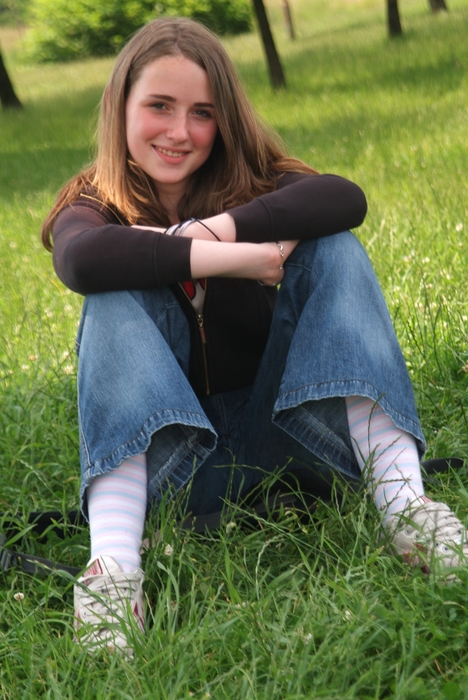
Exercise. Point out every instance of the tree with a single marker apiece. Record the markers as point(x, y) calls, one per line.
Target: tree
point(438, 5)
point(287, 19)
point(393, 18)
point(7, 94)
point(274, 64)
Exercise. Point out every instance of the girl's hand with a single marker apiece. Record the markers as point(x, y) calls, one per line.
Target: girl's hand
point(285, 248)
point(255, 261)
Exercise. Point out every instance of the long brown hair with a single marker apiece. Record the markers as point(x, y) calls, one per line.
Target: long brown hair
point(246, 157)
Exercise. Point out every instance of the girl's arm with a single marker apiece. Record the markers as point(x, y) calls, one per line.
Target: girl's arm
point(93, 254)
point(262, 262)
point(302, 207)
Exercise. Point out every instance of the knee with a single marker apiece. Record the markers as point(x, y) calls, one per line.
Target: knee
point(339, 256)
point(339, 246)
point(343, 257)
point(342, 246)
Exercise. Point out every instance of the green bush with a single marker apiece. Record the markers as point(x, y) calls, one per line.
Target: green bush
point(222, 16)
point(63, 30)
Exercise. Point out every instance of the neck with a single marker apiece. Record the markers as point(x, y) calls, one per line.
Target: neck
point(170, 199)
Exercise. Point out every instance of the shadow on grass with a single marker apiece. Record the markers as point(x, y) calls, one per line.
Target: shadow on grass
point(41, 148)
point(34, 170)
point(429, 56)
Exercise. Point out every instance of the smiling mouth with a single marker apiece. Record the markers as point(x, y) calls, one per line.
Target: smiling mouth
point(171, 154)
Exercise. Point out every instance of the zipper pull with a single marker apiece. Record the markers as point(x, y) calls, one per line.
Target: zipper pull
point(202, 329)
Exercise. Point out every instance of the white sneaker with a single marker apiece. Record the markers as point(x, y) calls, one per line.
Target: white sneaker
point(430, 536)
point(107, 602)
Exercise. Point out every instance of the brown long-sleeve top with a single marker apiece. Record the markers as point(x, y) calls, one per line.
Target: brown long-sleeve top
point(96, 251)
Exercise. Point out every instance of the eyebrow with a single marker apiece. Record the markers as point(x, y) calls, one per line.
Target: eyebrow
point(172, 99)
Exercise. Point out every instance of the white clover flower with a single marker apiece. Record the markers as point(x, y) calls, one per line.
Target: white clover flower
point(19, 597)
point(459, 227)
point(68, 369)
point(231, 526)
point(168, 550)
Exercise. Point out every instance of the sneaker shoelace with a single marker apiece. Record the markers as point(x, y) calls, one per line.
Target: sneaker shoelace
point(436, 523)
point(107, 596)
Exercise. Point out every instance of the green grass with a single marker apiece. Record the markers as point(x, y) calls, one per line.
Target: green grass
point(287, 610)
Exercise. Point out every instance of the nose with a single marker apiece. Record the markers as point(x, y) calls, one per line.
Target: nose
point(178, 129)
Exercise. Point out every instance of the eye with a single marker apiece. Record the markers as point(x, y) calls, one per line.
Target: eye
point(158, 106)
point(203, 114)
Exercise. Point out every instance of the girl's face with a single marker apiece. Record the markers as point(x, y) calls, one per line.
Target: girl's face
point(171, 122)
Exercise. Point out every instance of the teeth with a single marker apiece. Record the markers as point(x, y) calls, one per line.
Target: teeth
point(172, 154)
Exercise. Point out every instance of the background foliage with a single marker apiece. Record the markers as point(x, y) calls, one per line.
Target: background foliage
point(286, 610)
point(69, 29)
point(13, 11)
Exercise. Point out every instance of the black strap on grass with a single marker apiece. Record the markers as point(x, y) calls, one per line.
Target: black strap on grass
point(40, 523)
point(303, 494)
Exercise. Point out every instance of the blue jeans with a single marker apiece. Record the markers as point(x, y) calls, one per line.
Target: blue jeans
point(331, 337)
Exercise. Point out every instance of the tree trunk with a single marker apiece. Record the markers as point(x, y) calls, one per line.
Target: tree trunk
point(274, 65)
point(7, 94)
point(393, 17)
point(287, 18)
point(438, 6)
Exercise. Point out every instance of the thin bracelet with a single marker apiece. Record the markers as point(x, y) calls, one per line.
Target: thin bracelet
point(183, 226)
point(178, 229)
point(281, 250)
point(171, 230)
point(207, 228)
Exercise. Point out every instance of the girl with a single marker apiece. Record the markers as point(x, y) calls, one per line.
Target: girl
point(189, 357)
